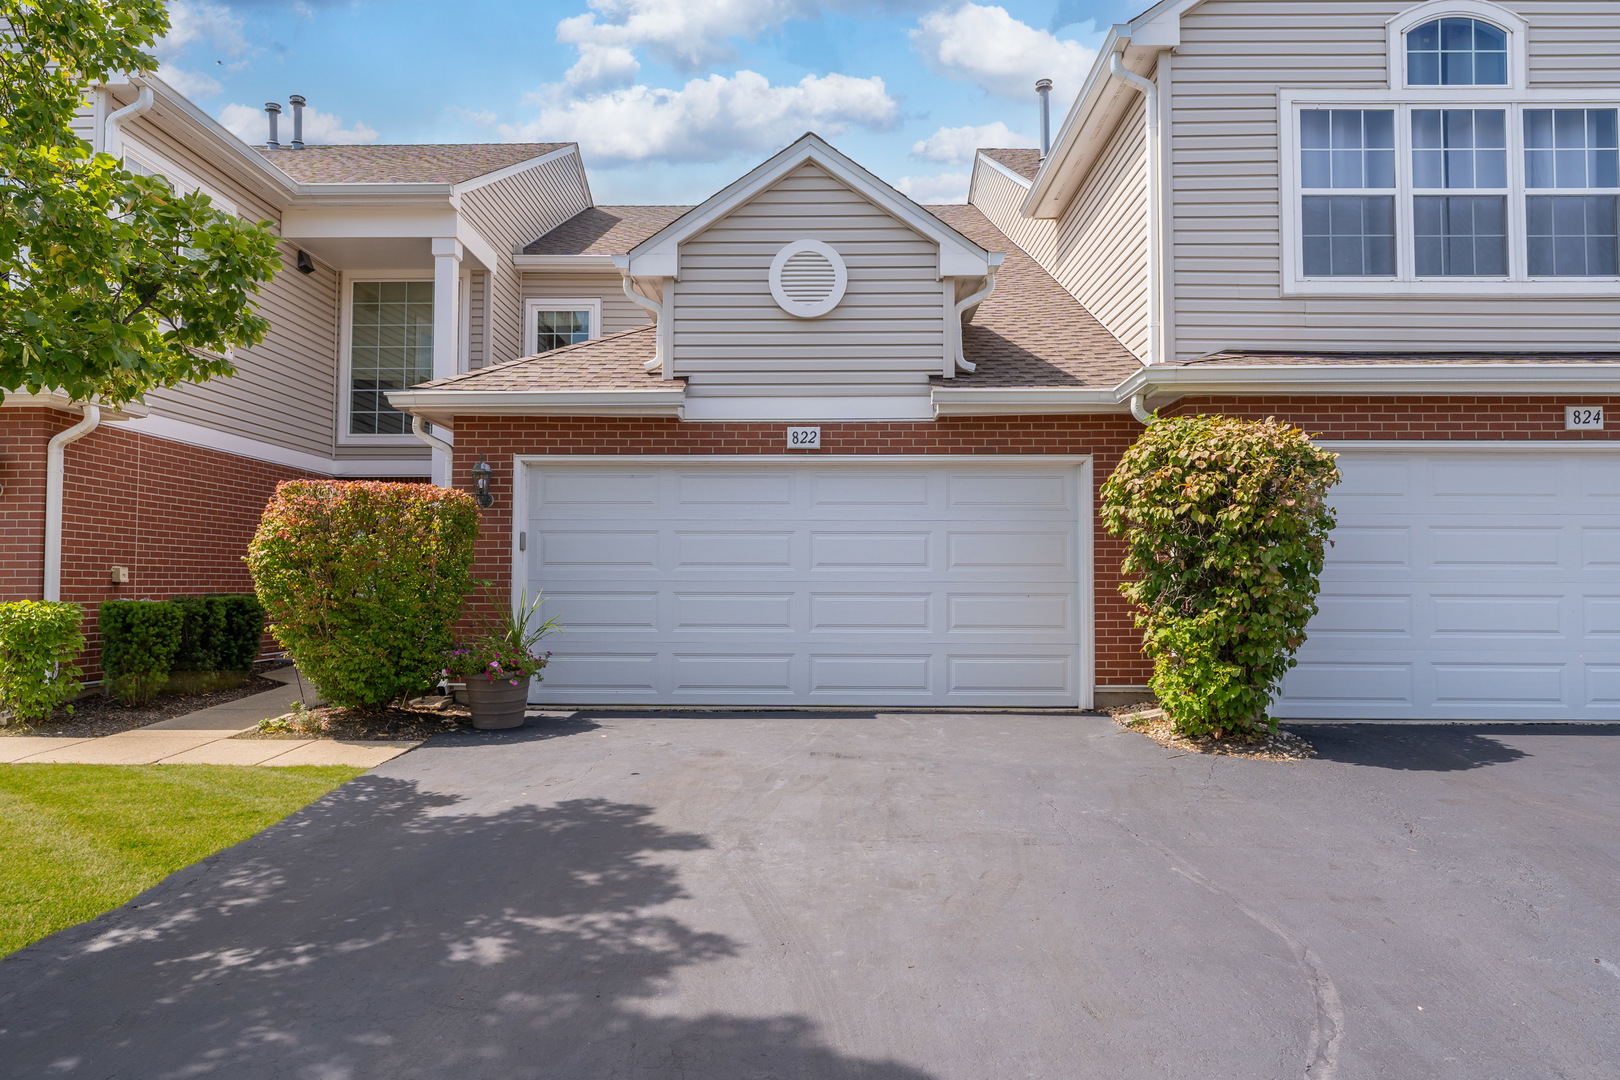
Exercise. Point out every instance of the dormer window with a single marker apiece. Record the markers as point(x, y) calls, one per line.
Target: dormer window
point(1457, 52)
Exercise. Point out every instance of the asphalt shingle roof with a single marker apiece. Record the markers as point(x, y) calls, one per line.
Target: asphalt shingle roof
point(613, 362)
point(413, 163)
point(605, 230)
point(1025, 163)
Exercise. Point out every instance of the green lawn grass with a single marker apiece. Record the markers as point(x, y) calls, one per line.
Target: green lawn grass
point(77, 840)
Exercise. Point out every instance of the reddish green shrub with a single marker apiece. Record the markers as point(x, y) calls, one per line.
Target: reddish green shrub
point(362, 582)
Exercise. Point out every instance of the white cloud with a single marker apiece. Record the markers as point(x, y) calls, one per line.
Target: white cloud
point(320, 129)
point(985, 45)
point(601, 66)
point(707, 119)
point(482, 117)
point(944, 188)
point(194, 23)
point(955, 146)
point(687, 34)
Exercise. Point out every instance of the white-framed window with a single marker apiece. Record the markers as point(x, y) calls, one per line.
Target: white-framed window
point(1450, 192)
point(550, 323)
point(1454, 43)
point(143, 161)
point(387, 344)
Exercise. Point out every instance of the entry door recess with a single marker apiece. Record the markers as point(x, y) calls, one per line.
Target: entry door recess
point(730, 582)
point(1464, 584)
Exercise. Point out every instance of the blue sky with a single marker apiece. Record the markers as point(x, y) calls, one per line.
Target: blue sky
point(669, 99)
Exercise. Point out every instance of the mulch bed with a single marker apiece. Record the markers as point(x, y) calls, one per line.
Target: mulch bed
point(332, 722)
point(1148, 719)
point(95, 716)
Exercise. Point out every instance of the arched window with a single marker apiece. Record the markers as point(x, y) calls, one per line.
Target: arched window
point(1457, 51)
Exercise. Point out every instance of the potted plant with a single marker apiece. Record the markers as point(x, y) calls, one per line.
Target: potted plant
point(497, 664)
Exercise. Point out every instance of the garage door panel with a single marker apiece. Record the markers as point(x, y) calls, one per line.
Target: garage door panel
point(571, 489)
point(1488, 589)
point(834, 585)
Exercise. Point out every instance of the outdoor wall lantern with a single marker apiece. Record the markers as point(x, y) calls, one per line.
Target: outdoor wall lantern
point(481, 474)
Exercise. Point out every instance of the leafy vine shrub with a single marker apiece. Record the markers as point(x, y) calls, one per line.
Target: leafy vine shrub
point(1226, 526)
point(139, 641)
point(362, 582)
point(38, 644)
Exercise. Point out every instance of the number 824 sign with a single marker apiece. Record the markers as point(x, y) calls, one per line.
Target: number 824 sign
point(1583, 418)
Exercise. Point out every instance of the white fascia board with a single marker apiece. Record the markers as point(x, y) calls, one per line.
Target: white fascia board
point(984, 160)
point(409, 219)
point(215, 144)
point(512, 170)
point(1305, 379)
point(563, 263)
point(658, 255)
point(224, 442)
point(333, 195)
point(474, 244)
point(441, 405)
point(1160, 25)
point(1014, 401)
point(53, 399)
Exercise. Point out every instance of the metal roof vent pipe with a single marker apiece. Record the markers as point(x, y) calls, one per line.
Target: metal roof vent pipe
point(297, 103)
point(271, 111)
point(1044, 88)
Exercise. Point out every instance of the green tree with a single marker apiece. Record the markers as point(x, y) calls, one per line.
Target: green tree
point(111, 284)
point(1226, 528)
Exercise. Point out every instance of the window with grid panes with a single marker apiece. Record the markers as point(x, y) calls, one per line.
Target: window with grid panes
point(390, 348)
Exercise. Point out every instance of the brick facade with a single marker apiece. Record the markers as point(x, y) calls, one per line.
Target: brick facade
point(177, 516)
point(1118, 656)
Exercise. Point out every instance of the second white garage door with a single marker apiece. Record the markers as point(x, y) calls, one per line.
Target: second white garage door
point(1468, 584)
point(811, 583)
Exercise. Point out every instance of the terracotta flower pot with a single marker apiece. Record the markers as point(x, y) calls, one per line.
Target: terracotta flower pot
point(496, 705)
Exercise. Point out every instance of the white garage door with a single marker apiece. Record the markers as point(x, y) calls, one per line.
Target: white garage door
point(814, 583)
point(1468, 585)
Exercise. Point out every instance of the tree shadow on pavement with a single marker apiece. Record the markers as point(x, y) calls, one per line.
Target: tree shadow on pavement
point(380, 933)
point(1429, 747)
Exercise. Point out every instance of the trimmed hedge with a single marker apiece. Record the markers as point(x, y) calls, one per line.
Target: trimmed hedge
point(38, 643)
point(363, 580)
point(139, 641)
point(1226, 526)
point(221, 632)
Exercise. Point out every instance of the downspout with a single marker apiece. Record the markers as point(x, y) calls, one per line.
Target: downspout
point(112, 139)
point(962, 363)
point(1139, 409)
point(657, 310)
point(421, 432)
point(55, 460)
point(1150, 95)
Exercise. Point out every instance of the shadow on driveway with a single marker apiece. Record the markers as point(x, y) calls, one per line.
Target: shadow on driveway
point(381, 933)
point(1431, 747)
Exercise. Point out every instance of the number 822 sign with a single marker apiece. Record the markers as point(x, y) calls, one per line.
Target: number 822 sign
point(804, 438)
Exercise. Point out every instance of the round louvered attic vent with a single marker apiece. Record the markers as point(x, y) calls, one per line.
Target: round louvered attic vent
point(808, 278)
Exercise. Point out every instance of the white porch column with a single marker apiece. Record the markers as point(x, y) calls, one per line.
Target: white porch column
point(446, 328)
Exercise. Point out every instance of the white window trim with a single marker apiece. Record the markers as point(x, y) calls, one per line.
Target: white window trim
point(1518, 32)
point(182, 180)
point(1405, 283)
point(345, 388)
point(533, 305)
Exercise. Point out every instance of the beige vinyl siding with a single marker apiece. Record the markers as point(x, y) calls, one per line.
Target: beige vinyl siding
point(477, 338)
point(1225, 211)
point(892, 315)
point(249, 205)
point(618, 313)
point(1097, 249)
point(510, 213)
point(284, 392)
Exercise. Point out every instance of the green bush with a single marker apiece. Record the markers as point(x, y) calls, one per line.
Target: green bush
point(362, 582)
point(38, 644)
point(244, 629)
point(139, 641)
point(1226, 525)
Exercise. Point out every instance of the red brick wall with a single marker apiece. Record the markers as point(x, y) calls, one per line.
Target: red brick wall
point(178, 517)
point(1119, 661)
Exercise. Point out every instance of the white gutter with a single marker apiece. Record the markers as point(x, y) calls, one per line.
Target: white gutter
point(432, 440)
point(657, 310)
point(112, 140)
point(1303, 379)
point(55, 459)
point(962, 363)
point(563, 263)
point(440, 406)
point(1150, 102)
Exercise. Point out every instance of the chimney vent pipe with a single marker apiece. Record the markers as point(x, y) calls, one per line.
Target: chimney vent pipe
point(1044, 89)
point(272, 110)
point(297, 103)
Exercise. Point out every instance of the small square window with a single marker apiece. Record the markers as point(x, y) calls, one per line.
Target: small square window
point(1460, 235)
point(1347, 148)
point(1571, 148)
point(1349, 235)
point(1573, 235)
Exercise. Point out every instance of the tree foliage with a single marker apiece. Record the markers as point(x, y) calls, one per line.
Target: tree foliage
point(363, 581)
point(111, 284)
point(1226, 525)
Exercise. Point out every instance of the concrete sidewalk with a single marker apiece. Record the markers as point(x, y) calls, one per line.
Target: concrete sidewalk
point(206, 737)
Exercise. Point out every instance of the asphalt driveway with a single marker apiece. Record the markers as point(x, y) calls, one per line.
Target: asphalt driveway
point(890, 897)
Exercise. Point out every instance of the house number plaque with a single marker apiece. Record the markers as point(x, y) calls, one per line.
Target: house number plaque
point(804, 438)
point(1583, 418)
